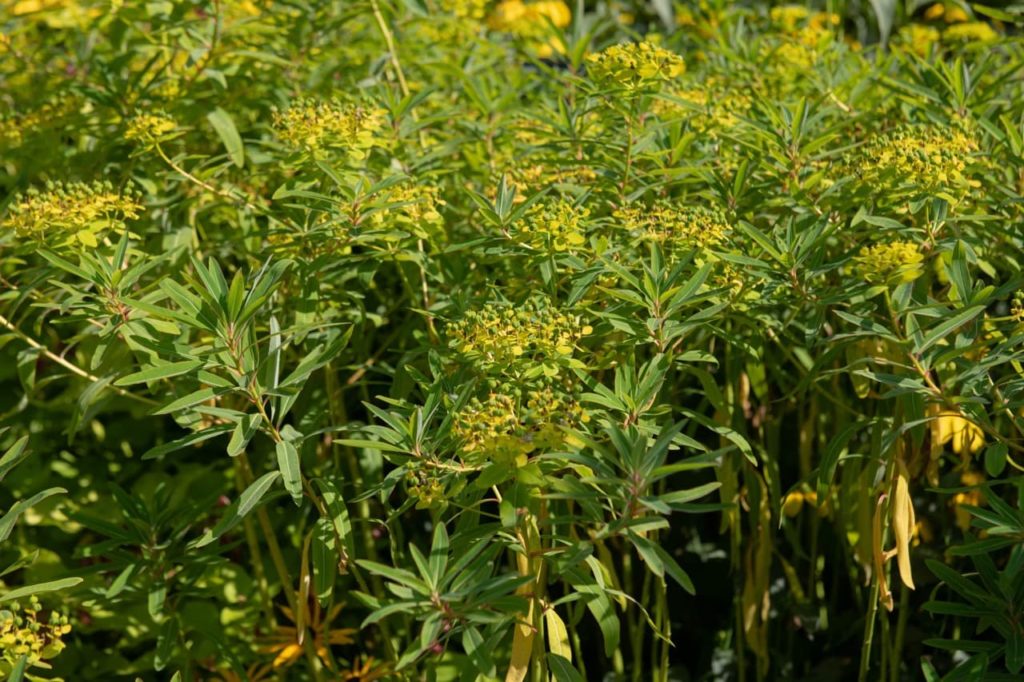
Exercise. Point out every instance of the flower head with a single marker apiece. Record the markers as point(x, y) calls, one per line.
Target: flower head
point(674, 225)
point(24, 633)
point(315, 127)
point(150, 128)
point(75, 212)
point(889, 263)
point(918, 38)
point(634, 66)
point(528, 339)
point(512, 421)
point(924, 159)
point(558, 227)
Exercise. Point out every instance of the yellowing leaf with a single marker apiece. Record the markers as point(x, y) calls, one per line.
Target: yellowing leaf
point(522, 648)
point(878, 554)
point(558, 636)
point(903, 522)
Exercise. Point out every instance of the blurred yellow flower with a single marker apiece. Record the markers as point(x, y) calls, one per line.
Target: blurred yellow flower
point(970, 33)
point(918, 38)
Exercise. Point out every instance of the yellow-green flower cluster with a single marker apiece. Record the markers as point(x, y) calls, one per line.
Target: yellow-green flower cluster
point(71, 213)
point(150, 128)
point(708, 108)
point(971, 33)
point(465, 9)
point(558, 227)
point(504, 336)
point(511, 422)
point(918, 38)
point(14, 127)
point(425, 486)
point(889, 263)
point(675, 225)
point(1017, 306)
point(927, 159)
point(634, 66)
point(789, 17)
point(316, 127)
point(23, 633)
point(414, 207)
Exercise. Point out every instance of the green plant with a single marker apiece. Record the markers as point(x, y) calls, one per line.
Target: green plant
point(459, 339)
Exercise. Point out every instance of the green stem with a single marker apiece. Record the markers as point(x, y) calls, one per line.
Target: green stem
point(901, 630)
point(869, 631)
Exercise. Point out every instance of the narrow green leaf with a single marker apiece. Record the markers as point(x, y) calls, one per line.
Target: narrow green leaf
point(38, 588)
point(161, 371)
point(247, 501)
point(941, 330)
point(19, 508)
point(14, 455)
point(225, 127)
point(288, 464)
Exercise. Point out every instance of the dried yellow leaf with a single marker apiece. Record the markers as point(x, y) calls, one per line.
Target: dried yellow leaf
point(903, 522)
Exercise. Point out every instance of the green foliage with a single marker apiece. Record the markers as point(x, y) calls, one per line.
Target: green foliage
point(492, 339)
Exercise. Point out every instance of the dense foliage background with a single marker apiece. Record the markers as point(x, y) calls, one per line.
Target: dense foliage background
point(473, 340)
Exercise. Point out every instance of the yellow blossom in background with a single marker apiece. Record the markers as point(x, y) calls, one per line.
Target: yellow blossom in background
point(966, 437)
point(788, 17)
point(528, 19)
point(973, 498)
point(634, 66)
point(15, 128)
point(793, 503)
point(71, 213)
point(150, 128)
point(532, 21)
point(465, 9)
point(918, 38)
point(58, 14)
point(971, 33)
point(891, 263)
point(24, 633)
point(286, 640)
point(316, 127)
point(709, 107)
point(949, 11)
point(676, 225)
